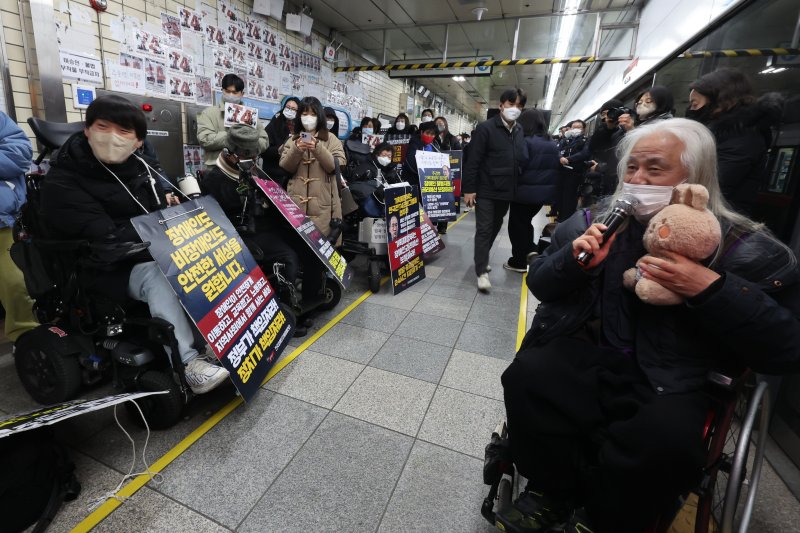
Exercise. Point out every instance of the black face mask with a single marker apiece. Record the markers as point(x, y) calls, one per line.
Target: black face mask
point(702, 115)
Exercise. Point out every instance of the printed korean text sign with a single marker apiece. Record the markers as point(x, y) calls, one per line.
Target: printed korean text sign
point(404, 236)
point(221, 287)
point(438, 198)
point(307, 230)
point(432, 244)
point(456, 157)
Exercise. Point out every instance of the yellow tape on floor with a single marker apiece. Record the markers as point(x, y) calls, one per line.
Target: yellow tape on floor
point(140, 481)
point(522, 321)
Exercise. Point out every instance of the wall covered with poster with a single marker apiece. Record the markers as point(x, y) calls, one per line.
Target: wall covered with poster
point(181, 49)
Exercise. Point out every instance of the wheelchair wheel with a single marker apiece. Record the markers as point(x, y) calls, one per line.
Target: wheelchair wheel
point(162, 411)
point(47, 373)
point(374, 276)
point(331, 295)
point(732, 491)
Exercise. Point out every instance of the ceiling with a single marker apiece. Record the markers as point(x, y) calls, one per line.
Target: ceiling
point(416, 29)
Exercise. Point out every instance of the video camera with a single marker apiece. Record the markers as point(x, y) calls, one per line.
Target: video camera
point(615, 112)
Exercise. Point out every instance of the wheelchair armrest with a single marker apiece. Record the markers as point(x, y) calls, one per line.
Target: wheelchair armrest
point(728, 379)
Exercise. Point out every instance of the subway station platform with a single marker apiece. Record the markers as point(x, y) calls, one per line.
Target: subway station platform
point(375, 422)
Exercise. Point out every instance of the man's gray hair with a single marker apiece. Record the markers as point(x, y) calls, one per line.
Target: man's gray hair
point(699, 159)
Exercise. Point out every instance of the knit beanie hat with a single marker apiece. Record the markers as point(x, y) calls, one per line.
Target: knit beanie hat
point(243, 140)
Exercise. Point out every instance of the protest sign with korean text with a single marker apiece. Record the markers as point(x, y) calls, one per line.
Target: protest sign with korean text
point(404, 236)
point(456, 158)
point(307, 230)
point(221, 287)
point(436, 186)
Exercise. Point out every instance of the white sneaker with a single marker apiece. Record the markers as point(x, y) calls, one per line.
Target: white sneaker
point(483, 282)
point(202, 376)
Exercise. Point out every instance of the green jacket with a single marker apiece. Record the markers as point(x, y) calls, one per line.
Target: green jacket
point(213, 136)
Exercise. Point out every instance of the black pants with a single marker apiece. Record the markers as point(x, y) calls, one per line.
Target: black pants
point(585, 427)
point(568, 182)
point(520, 231)
point(488, 221)
point(289, 249)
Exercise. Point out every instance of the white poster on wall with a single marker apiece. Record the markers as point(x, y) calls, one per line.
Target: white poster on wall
point(80, 67)
point(125, 79)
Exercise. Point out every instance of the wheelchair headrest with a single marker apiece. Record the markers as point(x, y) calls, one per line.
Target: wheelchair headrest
point(356, 146)
point(53, 134)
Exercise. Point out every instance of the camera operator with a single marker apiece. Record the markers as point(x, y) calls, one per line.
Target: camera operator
point(263, 229)
point(603, 144)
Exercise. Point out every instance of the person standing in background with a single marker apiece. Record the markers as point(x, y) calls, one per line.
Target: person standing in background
point(725, 103)
point(573, 163)
point(426, 116)
point(280, 128)
point(537, 186)
point(15, 160)
point(490, 176)
point(211, 131)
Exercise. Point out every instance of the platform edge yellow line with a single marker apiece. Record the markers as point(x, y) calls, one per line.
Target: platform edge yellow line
point(522, 321)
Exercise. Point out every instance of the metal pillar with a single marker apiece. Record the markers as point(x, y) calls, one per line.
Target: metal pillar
point(47, 57)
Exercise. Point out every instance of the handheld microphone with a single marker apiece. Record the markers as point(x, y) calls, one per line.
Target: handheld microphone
point(622, 209)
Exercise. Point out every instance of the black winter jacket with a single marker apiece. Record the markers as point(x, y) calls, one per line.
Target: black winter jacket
point(743, 137)
point(277, 132)
point(750, 318)
point(492, 168)
point(83, 201)
point(448, 143)
point(538, 181)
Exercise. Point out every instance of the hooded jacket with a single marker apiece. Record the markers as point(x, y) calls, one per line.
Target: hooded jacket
point(750, 318)
point(538, 181)
point(313, 185)
point(80, 200)
point(15, 160)
point(743, 136)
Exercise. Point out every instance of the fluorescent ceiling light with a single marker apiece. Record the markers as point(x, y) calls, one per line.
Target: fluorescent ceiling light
point(459, 78)
point(566, 26)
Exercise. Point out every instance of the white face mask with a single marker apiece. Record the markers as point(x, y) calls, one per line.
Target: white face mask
point(330, 124)
point(511, 113)
point(231, 98)
point(366, 131)
point(289, 113)
point(309, 122)
point(645, 110)
point(384, 161)
point(401, 125)
point(111, 148)
point(652, 199)
point(574, 132)
point(427, 119)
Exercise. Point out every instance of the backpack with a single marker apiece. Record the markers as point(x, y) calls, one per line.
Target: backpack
point(38, 476)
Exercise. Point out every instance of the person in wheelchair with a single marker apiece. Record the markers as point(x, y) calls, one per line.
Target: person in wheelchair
point(606, 399)
point(369, 178)
point(95, 185)
point(264, 230)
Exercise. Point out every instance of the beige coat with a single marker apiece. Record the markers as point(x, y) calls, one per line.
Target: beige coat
point(313, 184)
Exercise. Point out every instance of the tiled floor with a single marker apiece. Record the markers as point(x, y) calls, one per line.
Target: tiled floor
point(379, 425)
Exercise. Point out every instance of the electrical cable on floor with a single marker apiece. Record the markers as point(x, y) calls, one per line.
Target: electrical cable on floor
point(155, 477)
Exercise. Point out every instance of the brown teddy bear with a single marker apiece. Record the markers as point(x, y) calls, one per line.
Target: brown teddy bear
point(685, 227)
